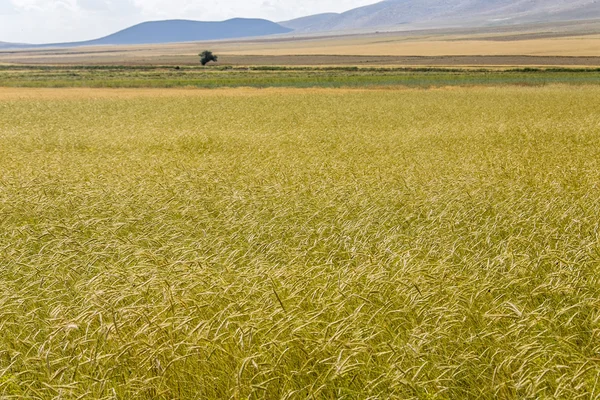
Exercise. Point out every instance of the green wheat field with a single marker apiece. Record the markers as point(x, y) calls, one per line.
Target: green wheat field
point(300, 243)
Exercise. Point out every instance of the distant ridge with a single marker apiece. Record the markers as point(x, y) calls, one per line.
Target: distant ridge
point(178, 30)
point(391, 14)
point(174, 31)
point(306, 23)
point(4, 45)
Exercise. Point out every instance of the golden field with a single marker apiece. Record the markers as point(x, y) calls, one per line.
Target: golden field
point(300, 243)
point(398, 45)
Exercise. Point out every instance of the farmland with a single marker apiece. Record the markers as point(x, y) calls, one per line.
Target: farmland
point(282, 76)
point(575, 43)
point(300, 243)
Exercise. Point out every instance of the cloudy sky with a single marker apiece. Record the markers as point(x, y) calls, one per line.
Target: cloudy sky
point(44, 21)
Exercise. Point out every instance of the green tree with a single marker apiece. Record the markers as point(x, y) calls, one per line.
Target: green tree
point(207, 56)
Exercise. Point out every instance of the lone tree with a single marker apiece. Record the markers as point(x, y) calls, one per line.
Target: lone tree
point(207, 56)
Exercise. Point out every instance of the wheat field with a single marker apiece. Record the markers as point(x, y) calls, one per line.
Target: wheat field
point(390, 45)
point(300, 243)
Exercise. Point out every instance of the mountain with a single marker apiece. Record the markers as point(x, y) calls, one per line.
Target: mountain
point(393, 13)
point(4, 45)
point(305, 23)
point(174, 31)
point(385, 15)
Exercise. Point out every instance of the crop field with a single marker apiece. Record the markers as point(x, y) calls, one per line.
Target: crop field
point(300, 243)
point(400, 45)
point(278, 76)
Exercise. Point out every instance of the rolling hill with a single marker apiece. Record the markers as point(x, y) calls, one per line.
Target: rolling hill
point(395, 13)
point(312, 20)
point(4, 45)
point(385, 15)
point(174, 31)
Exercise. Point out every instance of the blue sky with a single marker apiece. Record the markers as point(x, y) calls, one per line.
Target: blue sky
point(44, 21)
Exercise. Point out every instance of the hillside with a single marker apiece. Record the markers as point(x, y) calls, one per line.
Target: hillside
point(175, 31)
point(305, 23)
point(393, 13)
point(4, 45)
point(388, 15)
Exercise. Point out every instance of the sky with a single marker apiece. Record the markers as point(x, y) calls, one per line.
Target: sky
point(51, 21)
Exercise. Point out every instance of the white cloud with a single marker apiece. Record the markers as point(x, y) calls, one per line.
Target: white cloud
point(6, 8)
point(46, 6)
point(44, 21)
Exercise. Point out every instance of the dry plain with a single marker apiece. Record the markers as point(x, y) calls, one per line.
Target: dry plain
point(571, 44)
